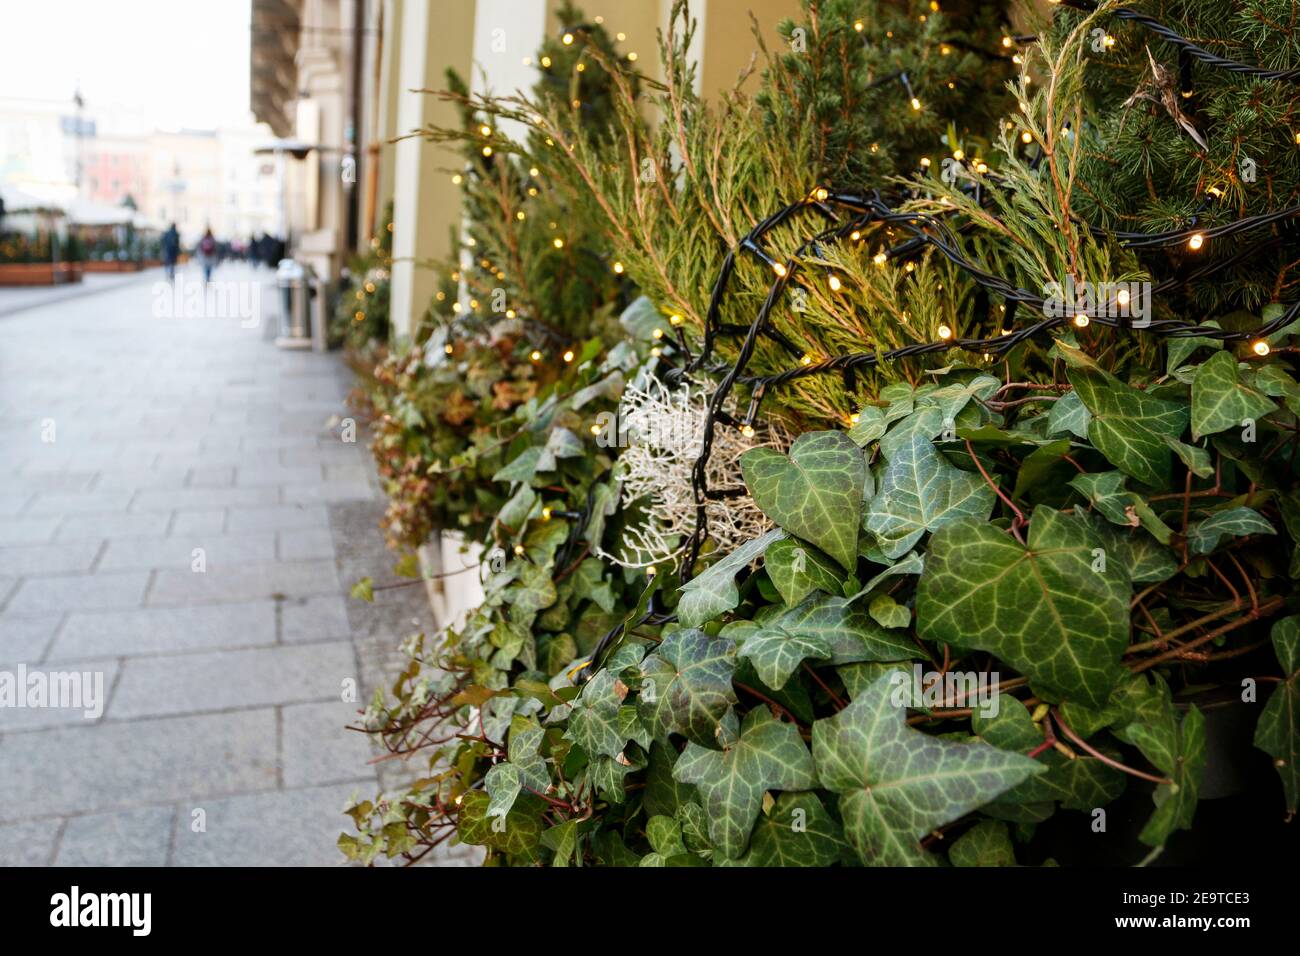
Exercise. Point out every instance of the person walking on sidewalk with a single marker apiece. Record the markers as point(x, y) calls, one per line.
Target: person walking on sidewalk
point(171, 251)
point(207, 254)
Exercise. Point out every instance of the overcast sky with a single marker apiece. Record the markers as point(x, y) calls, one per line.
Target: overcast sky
point(181, 63)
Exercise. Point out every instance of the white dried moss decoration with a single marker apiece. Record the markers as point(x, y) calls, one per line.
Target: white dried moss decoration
point(665, 431)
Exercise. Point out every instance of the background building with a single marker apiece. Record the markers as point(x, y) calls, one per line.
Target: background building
point(338, 79)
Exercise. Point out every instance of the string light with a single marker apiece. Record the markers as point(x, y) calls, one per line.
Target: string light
point(1026, 137)
point(675, 319)
point(519, 550)
point(535, 355)
point(925, 162)
point(631, 57)
point(945, 333)
point(458, 179)
point(806, 360)
point(449, 348)
point(880, 258)
point(546, 513)
point(1260, 348)
point(557, 242)
point(1081, 321)
point(821, 193)
point(487, 150)
point(835, 283)
point(485, 130)
point(916, 104)
point(618, 267)
point(1195, 241)
point(658, 333)
point(568, 356)
point(747, 431)
point(778, 269)
point(567, 39)
point(533, 171)
point(546, 62)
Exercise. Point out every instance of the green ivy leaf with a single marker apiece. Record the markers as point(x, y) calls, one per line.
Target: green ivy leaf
point(1220, 401)
point(987, 843)
point(687, 688)
point(797, 569)
point(520, 468)
point(1203, 537)
point(714, 592)
point(1041, 608)
point(887, 612)
point(797, 831)
point(599, 722)
point(1277, 732)
point(920, 490)
point(1069, 414)
point(775, 653)
point(897, 784)
point(849, 632)
point(1128, 426)
point(518, 837)
point(815, 493)
point(768, 755)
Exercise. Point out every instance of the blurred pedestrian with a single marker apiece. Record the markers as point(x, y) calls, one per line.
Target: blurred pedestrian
point(208, 254)
point(171, 250)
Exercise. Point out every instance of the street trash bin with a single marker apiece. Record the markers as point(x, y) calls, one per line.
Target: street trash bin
point(294, 280)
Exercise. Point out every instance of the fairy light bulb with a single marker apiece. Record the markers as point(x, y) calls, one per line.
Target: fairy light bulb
point(568, 356)
point(656, 351)
point(1081, 321)
point(457, 179)
point(1260, 347)
point(1195, 241)
point(567, 39)
point(854, 418)
point(658, 333)
point(880, 258)
point(925, 162)
point(821, 194)
point(806, 360)
point(1007, 42)
point(747, 431)
point(360, 316)
point(487, 150)
point(546, 514)
point(535, 355)
point(449, 348)
point(855, 235)
point(1122, 297)
point(546, 62)
point(533, 171)
point(1026, 137)
point(651, 571)
point(835, 283)
point(916, 103)
point(631, 57)
point(557, 242)
point(519, 550)
point(485, 130)
point(982, 167)
point(675, 319)
point(958, 155)
point(618, 267)
point(778, 269)
point(859, 26)
point(581, 67)
point(945, 333)
point(595, 429)
point(520, 215)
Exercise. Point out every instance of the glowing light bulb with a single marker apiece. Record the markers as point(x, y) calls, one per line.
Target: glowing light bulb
point(925, 162)
point(458, 179)
point(359, 316)
point(854, 418)
point(567, 39)
point(519, 550)
point(778, 269)
point(582, 67)
point(1026, 137)
point(982, 167)
point(658, 333)
point(675, 319)
point(880, 258)
point(532, 171)
point(546, 514)
point(835, 283)
point(958, 155)
point(595, 429)
point(546, 62)
point(535, 355)
point(821, 193)
point(631, 57)
point(859, 25)
point(618, 267)
point(656, 351)
point(485, 130)
point(449, 348)
point(945, 333)
point(855, 235)
point(520, 215)
point(557, 242)
point(1007, 42)
point(487, 150)
point(747, 431)
point(1081, 320)
point(1122, 297)
point(806, 360)
point(1260, 348)
point(916, 104)
point(1195, 241)
point(568, 356)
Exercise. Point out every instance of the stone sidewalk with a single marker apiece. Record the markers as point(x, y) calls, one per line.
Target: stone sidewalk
point(178, 515)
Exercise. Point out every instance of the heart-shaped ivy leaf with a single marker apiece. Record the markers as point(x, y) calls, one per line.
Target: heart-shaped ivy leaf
point(797, 569)
point(1055, 609)
point(1128, 426)
point(687, 688)
point(1277, 732)
point(714, 591)
point(815, 493)
point(897, 784)
point(768, 755)
point(1220, 401)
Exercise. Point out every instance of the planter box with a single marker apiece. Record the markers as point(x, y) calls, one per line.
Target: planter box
point(39, 273)
point(112, 266)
